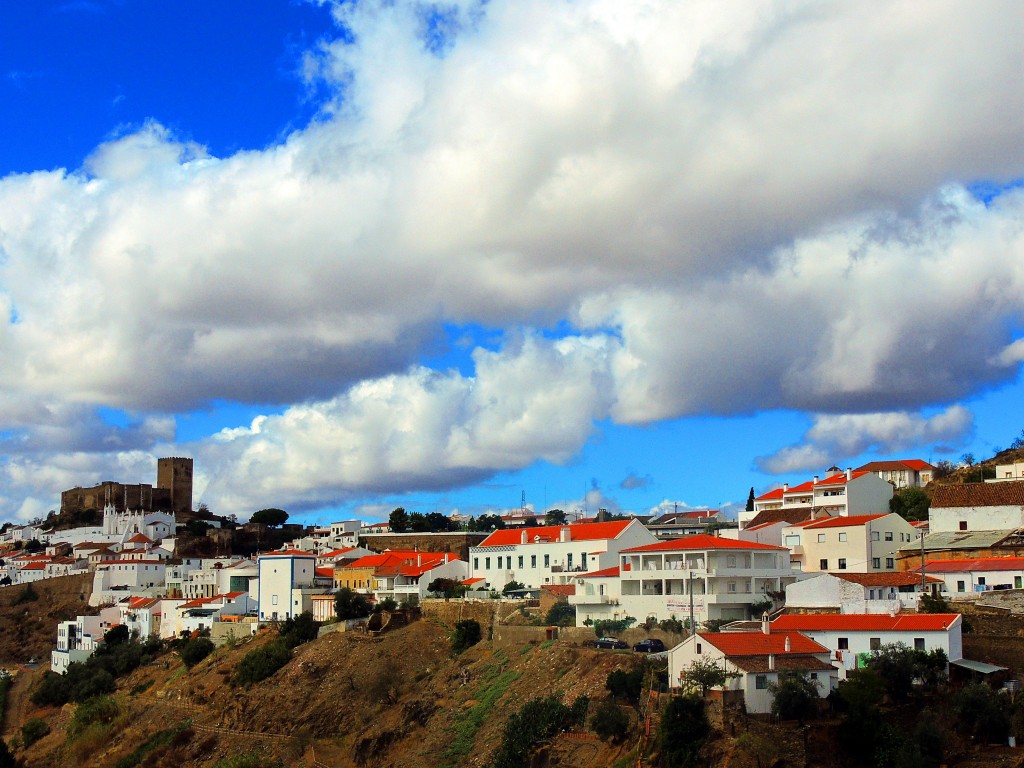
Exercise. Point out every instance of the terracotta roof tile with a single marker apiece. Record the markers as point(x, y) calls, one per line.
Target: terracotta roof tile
point(699, 541)
point(785, 515)
point(551, 533)
point(760, 644)
point(978, 564)
point(1006, 493)
point(865, 622)
point(844, 522)
point(793, 662)
point(890, 579)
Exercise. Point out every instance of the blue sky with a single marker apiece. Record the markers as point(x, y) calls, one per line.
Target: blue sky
point(355, 255)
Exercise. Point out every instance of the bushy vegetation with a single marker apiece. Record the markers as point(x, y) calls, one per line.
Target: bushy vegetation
point(349, 604)
point(33, 730)
point(682, 731)
point(442, 587)
point(387, 604)
point(609, 722)
point(604, 627)
point(561, 614)
point(512, 586)
point(95, 676)
point(535, 721)
point(299, 630)
point(626, 685)
point(898, 665)
point(27, 595)
point(195, 650)
point(157, 744)
point(261, 663)
point(467, 634)
point(795, 697)
point(910, 503)
point(703, 675)
point(98, 709)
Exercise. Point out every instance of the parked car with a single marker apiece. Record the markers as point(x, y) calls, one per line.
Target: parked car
point(650, 645)
point(610, 642)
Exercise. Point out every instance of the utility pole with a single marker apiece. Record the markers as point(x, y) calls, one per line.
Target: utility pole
point(924, 577)
point(693, 627)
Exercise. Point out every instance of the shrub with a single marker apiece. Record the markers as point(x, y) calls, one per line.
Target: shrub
point(609, 722)
point(671, 625)
point(99, 709)
point(604, 627)
point(27, 595)
point(195, 651)
point(795, 696)
point(262, 663)
point(349, 604)
point(681, 733)
point(33, 731)
point(561, 614)
point(512, 586)
point(387, 604)
point(538, 719)
point(467, 634)
point(984, 714)
point(299, 630)
point(626, 684)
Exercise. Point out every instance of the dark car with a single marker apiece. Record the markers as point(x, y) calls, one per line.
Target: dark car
point(610, 642)
point(650, 645)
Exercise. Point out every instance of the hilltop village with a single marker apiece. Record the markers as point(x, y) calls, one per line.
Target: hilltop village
point(813, 582)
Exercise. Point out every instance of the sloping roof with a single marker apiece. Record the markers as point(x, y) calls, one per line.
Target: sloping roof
point(866, 622)
point(895, 466)
point(560, 589)
point(326, 573)
point(473, 580)
point(1003, 494)
point(552, 533)
point(979, 564)
point(852, 521)
point(760, 644)
point(677, 518)
point(700, 541)
point(882, 579)
point(602, 574)
point(784, 663)
point(140, 538)
point(937, 540)
point(785, 515)
point(288, 553)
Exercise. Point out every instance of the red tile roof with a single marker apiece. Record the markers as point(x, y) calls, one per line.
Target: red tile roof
point(897, 465)
point(843, 522)
point(699, 541)
point(139, 538)
point(866, 622)
point(327, 573)
point(551, 533)
point(1002, 494)
point(560, 589)
point(978, 564)
point(602, 574)
point(473, 580)
point(288, 553)
point(760, 644)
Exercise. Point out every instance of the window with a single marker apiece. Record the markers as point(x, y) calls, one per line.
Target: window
point(1017, 582)
point(963, 525)
point(842, 563)
point(814, 675)
point(699, 651)
point(960, 587)
point(547, 561)
point(888, 535)
point(874, 536)
point(730, 561)
point(568, 560)
point(499, 562)
point(842, 536)
point(875, 643)
point(823, 564)
point(761, 682)
point(981, 580)
point(487, 563)
point(843, 644)
point(793, 540)
point(918, 643)
point(732, 586)
point(890, 563)
point(273, 599)
point(876, 562)
point(533, 561)
point(821, 538)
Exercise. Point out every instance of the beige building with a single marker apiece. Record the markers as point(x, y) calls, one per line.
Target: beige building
point(902, 473)
point(843, 494)
point(858, 543)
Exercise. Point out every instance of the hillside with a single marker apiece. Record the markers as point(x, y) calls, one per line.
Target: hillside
point(30, 626)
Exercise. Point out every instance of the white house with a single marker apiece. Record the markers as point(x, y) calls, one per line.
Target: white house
point(553, 554)
point(754, 661)
point(977, 507)
point(598, 596)
point(401, 581)
point(141, 615)
point(858, 543)
point(720, 577)
point(846, 592)
point(79, 638)
point(114, 578)
point(852, 637)
point(1008, 472)
point(286, 583)
point(842, 494)
point(966, 577)
point(902, 473)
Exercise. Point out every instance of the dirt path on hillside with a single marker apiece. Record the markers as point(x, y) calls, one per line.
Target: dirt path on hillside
point(17, 705)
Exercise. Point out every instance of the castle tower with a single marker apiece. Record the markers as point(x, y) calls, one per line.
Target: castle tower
point(175, 475)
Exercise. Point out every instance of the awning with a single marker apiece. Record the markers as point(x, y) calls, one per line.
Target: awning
point(978, 666)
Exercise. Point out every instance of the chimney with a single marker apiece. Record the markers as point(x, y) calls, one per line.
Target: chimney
point(522, 537)
point(849, 473)
point(771, 662)
point(815, 479)
point(419, 559)
point(765, 626)
point(785, 487)
point(787, 646)
point(565, 535)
